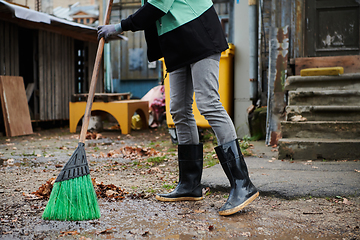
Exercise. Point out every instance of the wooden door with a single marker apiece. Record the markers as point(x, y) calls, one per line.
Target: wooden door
point(332, 28)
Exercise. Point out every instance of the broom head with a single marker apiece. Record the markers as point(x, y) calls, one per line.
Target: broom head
point(73, 197)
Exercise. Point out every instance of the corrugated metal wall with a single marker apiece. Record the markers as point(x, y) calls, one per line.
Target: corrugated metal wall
point(56, 75)
point(54, 69)
point(9, 49)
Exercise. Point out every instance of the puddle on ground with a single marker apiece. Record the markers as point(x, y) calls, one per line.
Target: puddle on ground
point(135, 219)
point(148, 218)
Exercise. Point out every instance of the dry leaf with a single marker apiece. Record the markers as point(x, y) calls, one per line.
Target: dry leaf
point(146, 233)
point(154, 170)
point(43, 191)
point(205, 190)
point(63, 234)
point(32, 196)
point(84, 238)
point(246, 234)
point(106, 231)
point(199, 211)
point(298, 118)
point(346, 201)
point(10, 161)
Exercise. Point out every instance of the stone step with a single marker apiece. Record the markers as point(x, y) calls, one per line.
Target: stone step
point(350, 81)
point(324, 113)
point(319, 149)
point(321, 129)
point(324, 97)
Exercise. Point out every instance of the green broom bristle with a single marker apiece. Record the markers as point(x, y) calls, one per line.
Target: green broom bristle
point(72, 200)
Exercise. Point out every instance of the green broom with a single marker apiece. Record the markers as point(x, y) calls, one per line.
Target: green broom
point(73, 197)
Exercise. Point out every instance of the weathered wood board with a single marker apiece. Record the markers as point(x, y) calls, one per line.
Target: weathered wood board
point(15, 106)
point(350, 63)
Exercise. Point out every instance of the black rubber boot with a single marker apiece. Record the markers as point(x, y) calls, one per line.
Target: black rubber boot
point(190, 159)
point(242, 190)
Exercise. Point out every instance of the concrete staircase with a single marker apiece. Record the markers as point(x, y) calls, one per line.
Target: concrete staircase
point(322, 118)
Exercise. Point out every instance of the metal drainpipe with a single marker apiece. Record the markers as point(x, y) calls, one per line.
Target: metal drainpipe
point(231, 22)
point(253, 50)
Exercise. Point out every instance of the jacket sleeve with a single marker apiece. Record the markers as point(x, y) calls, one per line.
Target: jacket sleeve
point(143, 18)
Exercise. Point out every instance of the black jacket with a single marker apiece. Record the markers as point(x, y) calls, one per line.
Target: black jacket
point(189, 43)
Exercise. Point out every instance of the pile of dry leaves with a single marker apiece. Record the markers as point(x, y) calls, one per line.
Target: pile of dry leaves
point(43, 192)
point(93, 135)
point(108, 192)
point(131, 153)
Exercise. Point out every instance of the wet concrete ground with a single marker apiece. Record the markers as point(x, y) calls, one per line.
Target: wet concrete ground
point(28, 162)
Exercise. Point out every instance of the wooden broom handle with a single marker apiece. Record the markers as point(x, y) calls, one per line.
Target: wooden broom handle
point(94, 78)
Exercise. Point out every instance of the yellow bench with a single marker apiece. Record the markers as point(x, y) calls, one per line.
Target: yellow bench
point(122, 111)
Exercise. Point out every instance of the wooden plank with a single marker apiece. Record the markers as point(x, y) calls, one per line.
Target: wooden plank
point(350, 63)
point(15, 107)
point(4, 110)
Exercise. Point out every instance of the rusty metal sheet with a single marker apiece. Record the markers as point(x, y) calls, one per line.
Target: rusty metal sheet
point(278, 59)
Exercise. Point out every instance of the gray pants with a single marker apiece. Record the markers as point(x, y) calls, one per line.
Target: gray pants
point(202, 78)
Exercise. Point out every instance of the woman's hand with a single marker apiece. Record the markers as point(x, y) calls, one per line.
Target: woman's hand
point(107, 31)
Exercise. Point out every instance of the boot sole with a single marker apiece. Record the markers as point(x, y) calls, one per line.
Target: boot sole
point(238, 208)
point(165, 199)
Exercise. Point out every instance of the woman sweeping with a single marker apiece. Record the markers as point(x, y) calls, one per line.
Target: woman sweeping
point(189, 36)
